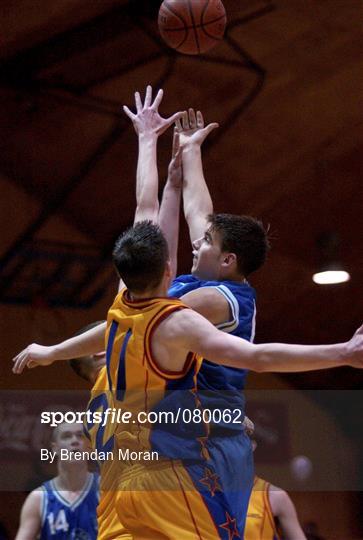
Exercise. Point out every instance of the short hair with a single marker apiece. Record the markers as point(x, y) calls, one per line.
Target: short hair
point(245, 236)
point(80, 365)
point(140, 255)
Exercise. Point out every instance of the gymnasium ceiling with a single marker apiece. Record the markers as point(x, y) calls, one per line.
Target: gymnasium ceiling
point(285, 86)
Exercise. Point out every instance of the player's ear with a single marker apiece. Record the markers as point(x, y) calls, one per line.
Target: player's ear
point(228, 259)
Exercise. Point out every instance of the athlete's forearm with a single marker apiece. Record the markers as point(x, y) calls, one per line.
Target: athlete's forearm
point(277, 357)
point(196, 197)
point(88, 343)
point(169, 220)
point(147, 204)
point(281, 357)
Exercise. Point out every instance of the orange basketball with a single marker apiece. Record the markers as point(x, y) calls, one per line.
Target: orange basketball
point(192, 26)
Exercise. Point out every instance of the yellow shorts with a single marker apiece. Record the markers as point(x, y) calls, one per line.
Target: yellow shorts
point(162, 502)
point(109, 524)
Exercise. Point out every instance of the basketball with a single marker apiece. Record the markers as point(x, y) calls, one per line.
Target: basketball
point(192, 26)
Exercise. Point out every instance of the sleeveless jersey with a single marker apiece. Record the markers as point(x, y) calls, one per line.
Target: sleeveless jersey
point(139, 386)
point(222, 386)
point(62, 520)
point(260, 523)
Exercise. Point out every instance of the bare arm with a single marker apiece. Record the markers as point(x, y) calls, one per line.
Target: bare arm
point(148, 125)
point(187, 331)
point(90, 342)
point(170, 204)
point(210, 303)
point(283, 508)
point(197, 200)
point(30, 517)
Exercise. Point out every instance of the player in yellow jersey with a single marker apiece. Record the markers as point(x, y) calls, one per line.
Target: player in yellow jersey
point(154, 345)
point(267, 504)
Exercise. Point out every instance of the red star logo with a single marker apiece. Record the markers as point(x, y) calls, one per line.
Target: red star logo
point(211, 481)
point(204, 450)
point(231, 527)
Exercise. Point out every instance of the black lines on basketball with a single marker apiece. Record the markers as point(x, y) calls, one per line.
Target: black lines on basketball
point(168, 6)
point(193, 25)
point(169, 16)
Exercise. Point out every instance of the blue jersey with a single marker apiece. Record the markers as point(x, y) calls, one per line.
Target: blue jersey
point(62, 520)
point(222, 386)
point(220, 389)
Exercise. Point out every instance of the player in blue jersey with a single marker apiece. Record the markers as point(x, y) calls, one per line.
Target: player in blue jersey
point(63, 508)
point(226, 250)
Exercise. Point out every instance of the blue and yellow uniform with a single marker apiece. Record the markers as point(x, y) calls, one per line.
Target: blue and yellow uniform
point(62, 520)
point(260, 524)
point(221, 387)
point(191, 490)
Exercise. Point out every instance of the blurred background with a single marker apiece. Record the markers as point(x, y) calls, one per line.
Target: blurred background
point(285, 85)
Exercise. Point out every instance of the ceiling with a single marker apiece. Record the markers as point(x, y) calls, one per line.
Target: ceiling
point(285, 87)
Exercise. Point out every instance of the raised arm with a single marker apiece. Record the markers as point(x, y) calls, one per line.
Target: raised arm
point(88, 343)
point(188, 331)
point(197, 200)
point(148, 125)
point(30, 517)
point(170, 204)
point(283, 508)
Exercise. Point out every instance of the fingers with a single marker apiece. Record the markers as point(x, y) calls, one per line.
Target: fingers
point(174, 118)
point(20, 362)
point(178, 125)
point(200, 120)
point(148, 96)
point(138, 102)
point(127, 111)
point(192, 119)
point(185, 120)
point(210, 128)
point(157, 100)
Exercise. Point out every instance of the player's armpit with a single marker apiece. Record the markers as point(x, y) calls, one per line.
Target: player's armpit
point(30, 517)
point(210, 303)
point(186, 330)
point(283, 508)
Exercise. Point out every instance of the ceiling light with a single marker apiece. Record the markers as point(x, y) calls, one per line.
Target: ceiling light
point(331, 277)
point(331, 270)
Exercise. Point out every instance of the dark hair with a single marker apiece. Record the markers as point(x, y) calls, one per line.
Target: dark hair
point(245, 236)
point(140, 255)
point(80, 365)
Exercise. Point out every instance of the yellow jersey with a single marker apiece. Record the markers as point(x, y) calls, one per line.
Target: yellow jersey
point(137, 383)
point(260, 524)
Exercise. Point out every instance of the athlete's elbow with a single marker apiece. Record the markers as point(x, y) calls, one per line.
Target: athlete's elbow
point(256, 360)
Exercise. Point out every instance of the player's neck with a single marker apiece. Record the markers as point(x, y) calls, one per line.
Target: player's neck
point(71, 476)
point(151, 293)
point(234, 276)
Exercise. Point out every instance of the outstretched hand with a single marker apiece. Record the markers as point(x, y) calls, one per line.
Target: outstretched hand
point(34, 355)
point(147, 119)
point(191, 128)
